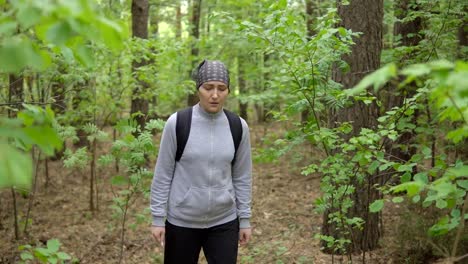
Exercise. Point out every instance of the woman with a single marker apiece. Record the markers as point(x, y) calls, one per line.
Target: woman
point(205, 196)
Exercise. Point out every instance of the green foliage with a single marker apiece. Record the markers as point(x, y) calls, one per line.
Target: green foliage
point(304, 61)
point(31, 32)
point(78, 159)
point(32, 127)
point(132, 151)
point(49, 254)
point(445, 185)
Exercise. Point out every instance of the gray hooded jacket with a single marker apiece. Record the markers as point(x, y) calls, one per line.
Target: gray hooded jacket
point(202, 189)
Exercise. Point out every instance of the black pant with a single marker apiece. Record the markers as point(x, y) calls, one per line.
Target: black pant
point(219, 243)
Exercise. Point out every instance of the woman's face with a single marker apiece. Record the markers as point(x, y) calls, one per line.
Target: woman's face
point(212, 96)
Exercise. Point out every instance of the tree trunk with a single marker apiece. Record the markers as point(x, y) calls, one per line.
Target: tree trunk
point(154, 23)
point(310, 6)
point(242, 86)
point(195, 35)
point(178, 33)
point(364, 16)
point(267, 106)
point(409, 34)
point(260, 84)
point(140, 11)
point(461, 152)
point(15, 95)
point(80, 100)
point(15, 98)
point(463, 35)
point(59, 106)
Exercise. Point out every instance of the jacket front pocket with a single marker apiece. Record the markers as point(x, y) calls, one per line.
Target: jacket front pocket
point(193, 205)
point(222, 201)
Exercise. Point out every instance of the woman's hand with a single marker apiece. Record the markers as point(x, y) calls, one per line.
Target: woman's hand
point(244, 236)
point(159, 234)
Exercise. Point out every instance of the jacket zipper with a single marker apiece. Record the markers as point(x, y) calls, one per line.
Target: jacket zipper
point(211, 167)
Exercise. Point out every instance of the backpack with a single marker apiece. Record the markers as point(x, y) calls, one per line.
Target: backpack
point(184, 122)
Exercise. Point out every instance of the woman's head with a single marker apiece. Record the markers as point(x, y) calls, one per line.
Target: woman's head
point(212, 80)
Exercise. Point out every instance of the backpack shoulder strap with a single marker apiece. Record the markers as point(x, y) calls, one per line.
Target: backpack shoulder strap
point(235, 125)
point(183, 124)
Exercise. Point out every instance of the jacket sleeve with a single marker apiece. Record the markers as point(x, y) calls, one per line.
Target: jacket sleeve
point(242, 177)
point(164, 172)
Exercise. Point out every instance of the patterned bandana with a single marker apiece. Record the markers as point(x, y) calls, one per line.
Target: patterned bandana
point(211, 71)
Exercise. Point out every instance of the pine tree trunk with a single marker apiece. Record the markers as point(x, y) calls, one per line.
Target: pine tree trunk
point(195, 35)
point(364, 16)
point(140, 11)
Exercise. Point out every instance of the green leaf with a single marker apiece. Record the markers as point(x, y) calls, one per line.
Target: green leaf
point(63, 256)
point(53, 260)
point(23, 247)
point(59, 33)
point(376, 206)
point(406, 177)
point(53, 245)
point(17, 53)
point(427, 152)
point(8, 28)
point(373, 167)
point(45, 137)
point(111, 33)
point(461, 171)
point(441, 204)
point(455, 213)
point(15, 167)
point(458, 135)
point(440, 228)
point(41, 253)
point(421, 177)
point(378, 78)
point(28, 16)
point(27, 256)
point(397, 199)
point(441, 65)
point(84, 55)
point(417, 70)
point(463, 184)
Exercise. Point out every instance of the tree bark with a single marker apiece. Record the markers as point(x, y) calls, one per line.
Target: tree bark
point(80, 101)
point(242, 86)
point(267, 106)
point(461, 152)
point(140, 12)
point(178, 33)
point(364, 16)
point(195, 35)
point(59, 106)
point(463, 35)
point(15, 95)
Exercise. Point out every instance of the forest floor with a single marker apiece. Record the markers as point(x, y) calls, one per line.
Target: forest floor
point(283, 219)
